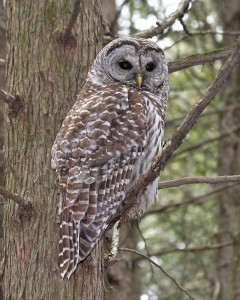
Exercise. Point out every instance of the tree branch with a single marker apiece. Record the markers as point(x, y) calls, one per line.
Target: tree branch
point(199, 59)
point(202, 32)
point(16, 198)
point(177, 138)
point(2, 63)
point(208, 113)
point(184, 26)
point(179, 13)
point(106, 28)
point(195, 200)
point(191, 249)
point(226, 133)
point(162, 270)
point(25, 207)
point(7, 98)
point(14, 103)
point(194, 180)
point(73, 19)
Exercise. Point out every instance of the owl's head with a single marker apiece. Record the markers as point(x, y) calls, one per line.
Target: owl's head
point(136, 62)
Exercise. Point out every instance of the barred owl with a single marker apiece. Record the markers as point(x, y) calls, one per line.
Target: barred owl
point(107, 141)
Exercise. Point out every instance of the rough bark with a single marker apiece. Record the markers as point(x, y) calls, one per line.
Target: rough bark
point(2, 77)
point(46, 69)
point(229, 163)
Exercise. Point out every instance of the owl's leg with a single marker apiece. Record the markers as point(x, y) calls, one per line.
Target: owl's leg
point(134, 213)
point(115, 241)
point(60, 204)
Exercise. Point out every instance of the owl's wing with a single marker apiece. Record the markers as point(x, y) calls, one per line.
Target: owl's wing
point(94, 154)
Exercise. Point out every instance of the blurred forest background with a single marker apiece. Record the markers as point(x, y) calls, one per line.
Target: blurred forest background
point(192, 231)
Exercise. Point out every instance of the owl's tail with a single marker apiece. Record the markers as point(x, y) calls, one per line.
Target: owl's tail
point(68, 244)
point(76, 242)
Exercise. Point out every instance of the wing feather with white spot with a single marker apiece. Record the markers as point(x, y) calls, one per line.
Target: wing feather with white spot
point(94, 154)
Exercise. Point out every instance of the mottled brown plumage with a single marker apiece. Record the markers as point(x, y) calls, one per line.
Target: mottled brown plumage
point(107, 141)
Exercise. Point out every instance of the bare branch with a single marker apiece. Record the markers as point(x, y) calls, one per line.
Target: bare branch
point(6, 97)
point(204, 32)
point(200, 59)
point(162, 270)
point(16, 198)
point(226, 133)
point(177, 138)
point(191, 249)
point(179, 13)
point(210, 112)
point(184, 26)
point(146, 247)
point(119, 12)
point(106, 29)
point(25, 207)
point(2, 63)
point(195, 200)
point(15, 104)
point(73, 18)
point(202, 179)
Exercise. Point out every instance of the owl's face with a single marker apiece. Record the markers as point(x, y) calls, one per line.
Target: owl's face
point(135, 62)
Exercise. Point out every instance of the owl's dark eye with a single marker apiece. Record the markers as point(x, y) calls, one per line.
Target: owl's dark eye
point(125, 65)
point(150, 66)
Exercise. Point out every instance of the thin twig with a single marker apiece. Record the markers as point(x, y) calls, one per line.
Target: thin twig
point(196, 33)
point(202, 179)
point(72, 20)
point(234, 33)
point(226, 133)
point(162, 270)
point(208, 113)
point(200, 59)
point(195, 200)
point(119, 12)
point(2, 63)
point(184, 26)
point(146, 246)
point(179, 13)
point(191, 249)
point(177, 138)
point(105, 25)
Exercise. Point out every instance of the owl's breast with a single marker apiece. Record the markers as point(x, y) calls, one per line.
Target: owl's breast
point(153, 142)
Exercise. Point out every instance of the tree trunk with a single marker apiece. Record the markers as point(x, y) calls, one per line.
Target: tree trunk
point(124, 274)
point(2, 79)
point(45, 69)
point(229, 164)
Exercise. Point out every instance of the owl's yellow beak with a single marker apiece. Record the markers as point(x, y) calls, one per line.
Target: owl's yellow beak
point(139, 80)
